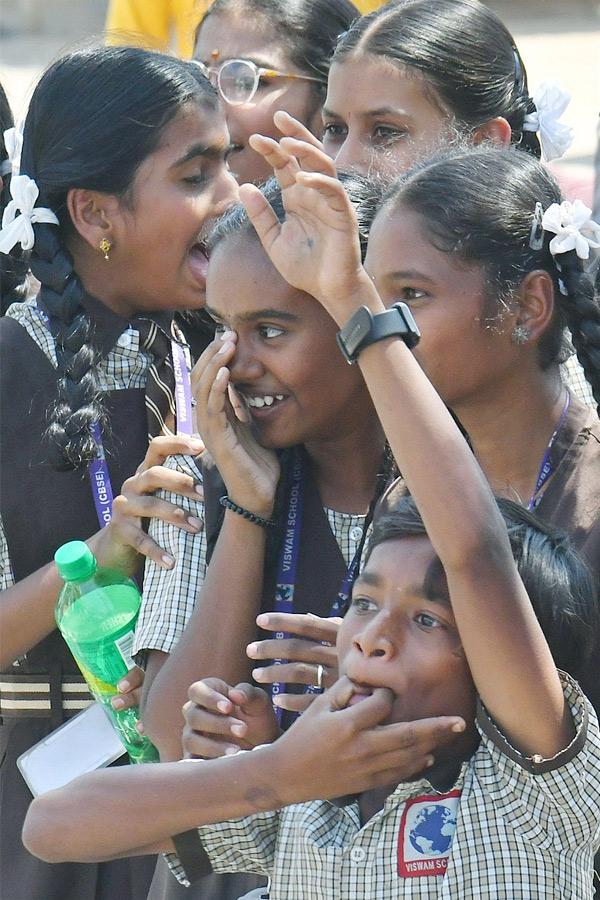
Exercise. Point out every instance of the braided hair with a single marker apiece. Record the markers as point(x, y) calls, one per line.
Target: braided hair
point(479, 205)
point(464, 52)
point(94, 117)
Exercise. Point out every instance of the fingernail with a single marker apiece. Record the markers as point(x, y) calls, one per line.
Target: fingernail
point(251, 649)
point(223, 349)
point(257, 674)
point(196, 446)
point(238, 730)
point(223, 706)
point(429, 762)
point(199, 488)
point(262, 620)
point(194, 522)
point(227, 335)
point(458, 726)
point(168, 561)
point(140, 728)
point(117, 703)
point(231, 751)
point(276, 701)
point(221, 373)
point(123, 685)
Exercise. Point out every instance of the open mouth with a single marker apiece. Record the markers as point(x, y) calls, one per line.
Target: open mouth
point(263, 401)
point(199, 262)
point(361, 692)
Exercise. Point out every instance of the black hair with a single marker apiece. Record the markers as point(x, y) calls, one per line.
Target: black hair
point(365, 195)
point(461, 49)
point(479, 204)
point(561, 588)
point(13, 265)
point(94, 117)
point(308, 29)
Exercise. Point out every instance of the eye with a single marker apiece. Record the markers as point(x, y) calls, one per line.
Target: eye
point(412, 295)
point(198, 180)
point(362, 605)
point(269, 331)
point(334, 131)
point(426, 620)
point(388, 134)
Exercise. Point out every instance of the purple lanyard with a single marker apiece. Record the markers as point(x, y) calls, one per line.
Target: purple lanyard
point(288, 564)
point(546, 468)
point(100, 482)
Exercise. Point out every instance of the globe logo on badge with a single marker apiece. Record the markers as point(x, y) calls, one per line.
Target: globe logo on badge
point(433, 830)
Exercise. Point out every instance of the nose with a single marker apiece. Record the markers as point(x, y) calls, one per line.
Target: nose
point(374, 640)
point(245, 367)
point(352, 155)
point(226, 193)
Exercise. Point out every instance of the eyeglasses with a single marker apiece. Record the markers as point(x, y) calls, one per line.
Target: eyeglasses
point(237, 80)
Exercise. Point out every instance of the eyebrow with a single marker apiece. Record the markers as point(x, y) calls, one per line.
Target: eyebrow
point(206, 151)
point(380, 111)
point(257, 315)
point(409, 275)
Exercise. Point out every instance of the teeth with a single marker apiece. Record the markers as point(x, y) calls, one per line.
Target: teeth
point(260, 402)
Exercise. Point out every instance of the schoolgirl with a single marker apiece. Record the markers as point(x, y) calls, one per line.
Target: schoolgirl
point(265, 55)
point(123, 165)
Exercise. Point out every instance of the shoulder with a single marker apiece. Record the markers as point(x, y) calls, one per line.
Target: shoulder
point(24, 324)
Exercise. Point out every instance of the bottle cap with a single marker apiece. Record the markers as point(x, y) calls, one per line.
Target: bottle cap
point(75, 561)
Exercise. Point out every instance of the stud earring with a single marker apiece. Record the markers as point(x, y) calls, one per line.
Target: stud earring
point(520, 334)
point(105, 246)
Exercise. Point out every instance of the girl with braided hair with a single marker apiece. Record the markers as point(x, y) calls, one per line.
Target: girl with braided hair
point(123, 168)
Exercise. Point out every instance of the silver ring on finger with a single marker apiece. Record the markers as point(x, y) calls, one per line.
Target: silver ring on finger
point(319, 684)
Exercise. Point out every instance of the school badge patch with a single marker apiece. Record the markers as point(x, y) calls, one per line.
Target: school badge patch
point(426, 832)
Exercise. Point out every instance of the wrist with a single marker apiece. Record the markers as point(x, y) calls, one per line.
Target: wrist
point(341, 308)
point(258, 514)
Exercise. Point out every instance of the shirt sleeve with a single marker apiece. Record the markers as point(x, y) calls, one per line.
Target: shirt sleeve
point(556, 799)
point(169, 595)
point(7, 578)
point(240, 845)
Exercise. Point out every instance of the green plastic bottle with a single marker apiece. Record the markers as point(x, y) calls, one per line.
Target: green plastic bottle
point(96, 614)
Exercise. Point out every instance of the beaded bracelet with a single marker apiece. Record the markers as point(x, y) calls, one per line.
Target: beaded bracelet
point(258, 520)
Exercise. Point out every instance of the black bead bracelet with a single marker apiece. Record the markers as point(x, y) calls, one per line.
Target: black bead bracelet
point(258, 520)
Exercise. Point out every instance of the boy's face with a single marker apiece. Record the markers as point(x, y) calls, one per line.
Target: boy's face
point(400, 633)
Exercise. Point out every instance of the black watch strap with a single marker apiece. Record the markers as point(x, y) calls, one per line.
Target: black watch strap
point(364, 329)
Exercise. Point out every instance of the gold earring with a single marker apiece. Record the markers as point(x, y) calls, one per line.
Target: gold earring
point(105, 246)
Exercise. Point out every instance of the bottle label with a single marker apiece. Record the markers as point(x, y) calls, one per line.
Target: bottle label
point(124, 645)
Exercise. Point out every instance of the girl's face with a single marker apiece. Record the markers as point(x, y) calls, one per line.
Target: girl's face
point(231, 36)
point(465, 360)
point(287, 367)
point(157, 261)
point(379, 118)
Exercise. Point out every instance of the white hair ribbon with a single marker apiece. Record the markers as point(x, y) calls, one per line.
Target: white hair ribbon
point(551, 100)
point(19, 228)
point(13, 141)
point(568, 221)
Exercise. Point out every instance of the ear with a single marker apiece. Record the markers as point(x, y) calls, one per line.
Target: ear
point(497, 131)
point(91, 213)
point(535, 303)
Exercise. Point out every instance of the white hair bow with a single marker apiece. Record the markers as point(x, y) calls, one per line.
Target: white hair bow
point(551, 100)
point(19, 228)
point(13, 141)
point(568, 221)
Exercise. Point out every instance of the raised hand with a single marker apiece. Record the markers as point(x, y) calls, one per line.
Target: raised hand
point(316, 248)
point(119, 544)
point(249, 471)
point(311, 645)
point(221, 719)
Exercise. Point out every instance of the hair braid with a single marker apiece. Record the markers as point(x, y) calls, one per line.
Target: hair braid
point(582, 313)
point(78, 405)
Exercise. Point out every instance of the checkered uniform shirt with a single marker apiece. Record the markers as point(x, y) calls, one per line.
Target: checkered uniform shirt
point(170, 595)
point(524, 831)
point(126, 366)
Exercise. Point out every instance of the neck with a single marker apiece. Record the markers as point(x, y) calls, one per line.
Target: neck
point(346, 467)
point(510, 432)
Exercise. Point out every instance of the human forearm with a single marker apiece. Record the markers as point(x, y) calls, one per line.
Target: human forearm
point(214, 640)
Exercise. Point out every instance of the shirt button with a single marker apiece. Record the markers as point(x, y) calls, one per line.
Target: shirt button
point(356, 534)
point(357, 854)
point(124, 340)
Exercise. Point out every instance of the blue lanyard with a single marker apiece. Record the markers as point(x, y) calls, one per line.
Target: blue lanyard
point(288, 563)
point(546, 468)
point(98, 470)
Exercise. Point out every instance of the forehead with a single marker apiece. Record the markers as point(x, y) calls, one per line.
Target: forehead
point(362, 84)
point(402, 565)
point(196, 130)
point(240, 36)
point(241, 280)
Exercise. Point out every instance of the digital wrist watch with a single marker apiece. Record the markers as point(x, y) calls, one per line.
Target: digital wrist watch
point(363, 329)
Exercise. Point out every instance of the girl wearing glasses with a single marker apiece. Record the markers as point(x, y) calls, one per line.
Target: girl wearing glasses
point(267, 55)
